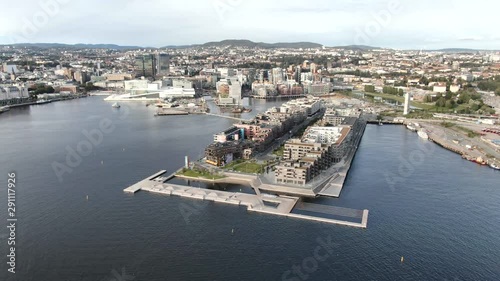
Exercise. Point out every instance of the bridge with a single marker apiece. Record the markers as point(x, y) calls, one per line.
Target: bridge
point(228, 117)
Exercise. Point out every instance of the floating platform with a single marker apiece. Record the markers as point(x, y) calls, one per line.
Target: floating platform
point(281, 205)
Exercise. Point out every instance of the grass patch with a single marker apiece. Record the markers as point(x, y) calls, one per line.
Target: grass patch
point(470, 133)
point(280, 151)
point(199, 174)
point(246, 167)
point(401, 99)
point(447, 124)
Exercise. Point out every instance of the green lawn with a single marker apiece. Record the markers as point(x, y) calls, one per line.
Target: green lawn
point(199, 174)
point(279, 152)
point(245, 167)
point(400, 99)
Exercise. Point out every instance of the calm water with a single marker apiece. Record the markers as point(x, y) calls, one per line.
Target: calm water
point(442, 214)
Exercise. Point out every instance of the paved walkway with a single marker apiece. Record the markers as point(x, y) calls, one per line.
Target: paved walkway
point(276, 205)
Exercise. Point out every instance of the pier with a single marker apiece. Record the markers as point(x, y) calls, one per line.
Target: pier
point(228, 117)
point(280, 205)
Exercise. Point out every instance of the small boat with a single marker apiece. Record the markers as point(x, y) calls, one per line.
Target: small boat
point(411, 128)
point(4, 109)
point(494, 166)
point(115, 105)
point(479, 160)
point(380, 123)
point(43, 101)
point(237, 110)
point(422, 134)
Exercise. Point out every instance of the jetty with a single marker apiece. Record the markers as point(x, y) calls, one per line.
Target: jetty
point(279, 205)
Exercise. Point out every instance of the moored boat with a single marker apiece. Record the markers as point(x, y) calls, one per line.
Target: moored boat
point(43, 101)
point(411, 127)
point(4, 109)
point(422, 134)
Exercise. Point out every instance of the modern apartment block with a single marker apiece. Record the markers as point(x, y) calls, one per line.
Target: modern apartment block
point(319, 149)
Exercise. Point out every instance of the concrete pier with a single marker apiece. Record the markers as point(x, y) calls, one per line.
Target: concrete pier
point(277, 205)
point(146, 182)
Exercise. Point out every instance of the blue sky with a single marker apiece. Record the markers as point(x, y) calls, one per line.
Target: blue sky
point(403, 24)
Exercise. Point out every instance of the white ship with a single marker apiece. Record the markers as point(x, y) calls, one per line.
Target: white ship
point(4, 109)
point(423, 134)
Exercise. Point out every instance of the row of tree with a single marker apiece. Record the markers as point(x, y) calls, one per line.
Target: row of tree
point(392, 91)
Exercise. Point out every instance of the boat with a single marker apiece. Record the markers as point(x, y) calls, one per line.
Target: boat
point(115, 105)
point(494, 166)
point(422, 134)
point(4, 109)
point(43, 101)
point(479, 160)
point(380, 123)
point(241, 110)
point(237, 110)
point(411, 128)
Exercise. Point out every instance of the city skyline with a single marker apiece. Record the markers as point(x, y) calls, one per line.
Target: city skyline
point(386, 24)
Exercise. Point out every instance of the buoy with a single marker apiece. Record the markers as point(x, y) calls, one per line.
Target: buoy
point(102, 162)
point(232, 231)
point(402, 259)
point(87, 198)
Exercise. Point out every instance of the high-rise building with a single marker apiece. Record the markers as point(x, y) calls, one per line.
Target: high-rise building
point(145, 65)
point(163, 64)
point(278, 75)
point(298, 73)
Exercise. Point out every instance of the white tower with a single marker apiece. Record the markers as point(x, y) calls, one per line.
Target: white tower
point(407, 104)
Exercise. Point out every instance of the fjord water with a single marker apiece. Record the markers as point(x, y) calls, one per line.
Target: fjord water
point(441, 214)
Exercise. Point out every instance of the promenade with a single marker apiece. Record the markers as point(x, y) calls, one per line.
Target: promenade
point(281, 205)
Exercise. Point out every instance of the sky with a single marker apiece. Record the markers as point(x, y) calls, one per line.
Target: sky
point(399, 24)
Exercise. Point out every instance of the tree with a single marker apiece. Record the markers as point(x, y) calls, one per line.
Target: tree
point(450, 104)
point(401, 92)
point(370, 88)
point(441, 102)
point(474, 107)
point(464, 98)
point(497, 91)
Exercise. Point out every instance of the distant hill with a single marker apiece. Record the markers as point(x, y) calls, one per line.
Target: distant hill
point(77, 46)
point(458, 50)
point(357, 47)
point(251, 44)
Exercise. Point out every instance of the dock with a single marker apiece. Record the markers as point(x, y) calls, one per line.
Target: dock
point(280, 205)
